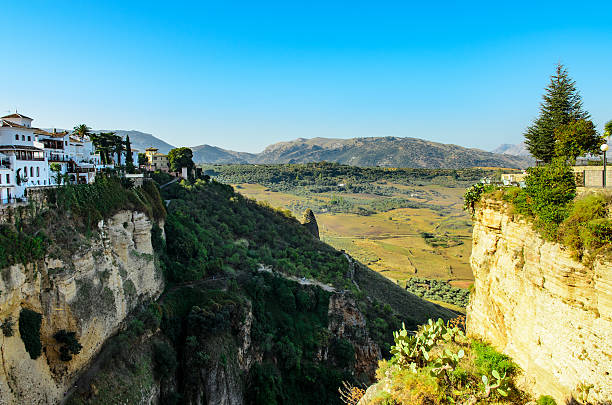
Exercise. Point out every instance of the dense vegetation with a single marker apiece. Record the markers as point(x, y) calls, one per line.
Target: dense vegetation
point(324, 177)
point(393, 188)
point(549, 200)
point(226, 260)
point(212, 230)
point(29, 330)
point(438, 290)
point(68, 213)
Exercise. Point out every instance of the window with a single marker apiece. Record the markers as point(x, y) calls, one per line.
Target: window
point(23, 137)
point(65, 142)
point(8, 178)
point(31, 171)
point(16, 137)
point(29, 138)
point(38, 172)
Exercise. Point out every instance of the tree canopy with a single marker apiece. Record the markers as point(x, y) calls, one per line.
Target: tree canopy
point(561, 105)
point(81, 130)
point(179, 158)
point(576, 138)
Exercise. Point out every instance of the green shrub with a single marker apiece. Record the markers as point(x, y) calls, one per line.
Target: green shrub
point(7, 327)
point(472, 196)
point(587, 226)
point(489, 359)
point(165, 359)
point(19, 247)
point(29, 329)
point(546, 400)
point(69, 344)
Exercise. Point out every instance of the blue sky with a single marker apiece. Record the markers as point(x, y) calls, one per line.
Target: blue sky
point(242, 75)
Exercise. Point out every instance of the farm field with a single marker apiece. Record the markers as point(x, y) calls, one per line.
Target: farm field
point(433, 241)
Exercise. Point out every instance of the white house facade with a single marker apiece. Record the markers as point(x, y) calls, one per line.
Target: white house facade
point(27, 153)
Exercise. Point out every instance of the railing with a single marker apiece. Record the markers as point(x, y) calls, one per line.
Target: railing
point(13, 200)
point(57, 158)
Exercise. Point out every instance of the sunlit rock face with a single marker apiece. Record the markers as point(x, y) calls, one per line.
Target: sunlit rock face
point(534, 302)
point(90, 293)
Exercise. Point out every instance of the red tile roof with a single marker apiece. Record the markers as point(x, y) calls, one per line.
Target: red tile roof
point(16, 115)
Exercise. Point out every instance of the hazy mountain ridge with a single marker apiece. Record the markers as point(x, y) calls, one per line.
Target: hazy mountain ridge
point(141, 140)
point(138, 140)
point(214, 154)
point(519, 149)
point(375, 151)
point(372, 151)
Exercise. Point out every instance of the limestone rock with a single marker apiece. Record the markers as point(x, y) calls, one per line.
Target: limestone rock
point(89, 293)
point(310, 222)
point(347, 322)
point(532, 301)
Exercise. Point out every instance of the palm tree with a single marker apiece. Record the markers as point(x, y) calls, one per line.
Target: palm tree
point(81, 130)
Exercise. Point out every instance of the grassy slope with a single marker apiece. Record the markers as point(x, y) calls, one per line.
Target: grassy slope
point(400, 300)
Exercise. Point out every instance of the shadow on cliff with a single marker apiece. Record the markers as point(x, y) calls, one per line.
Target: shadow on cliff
point(574, 401)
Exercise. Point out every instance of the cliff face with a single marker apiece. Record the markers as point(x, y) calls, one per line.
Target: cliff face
point(347, 322)
point(550, 313)
point(89, 293)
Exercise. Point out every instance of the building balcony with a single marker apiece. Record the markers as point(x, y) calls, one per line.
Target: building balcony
point(57, 158)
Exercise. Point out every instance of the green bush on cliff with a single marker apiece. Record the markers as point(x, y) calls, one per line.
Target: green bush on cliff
point(69, 344)
point(549, 199)
point(546, 400)
point(29, 329)
point(20, 247)
point(105, 196)
point(7, 327)
point(164, 357)
point(440, 365)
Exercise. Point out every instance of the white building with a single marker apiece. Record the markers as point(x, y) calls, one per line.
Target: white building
point(26, 154)
point(22, 155)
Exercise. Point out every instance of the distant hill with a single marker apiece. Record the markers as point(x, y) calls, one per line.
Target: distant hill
point(141, 140)
point(214, 154)
point(382, 151)
point(519, 149)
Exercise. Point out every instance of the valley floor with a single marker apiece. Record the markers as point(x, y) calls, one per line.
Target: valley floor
point(400, 243)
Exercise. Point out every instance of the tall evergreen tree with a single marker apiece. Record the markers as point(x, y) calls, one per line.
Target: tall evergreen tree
point(561, 104)
point(129, 158)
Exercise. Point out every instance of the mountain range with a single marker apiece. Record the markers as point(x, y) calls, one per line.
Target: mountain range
point(374, 151)
point(519, 149)
point(379, 151)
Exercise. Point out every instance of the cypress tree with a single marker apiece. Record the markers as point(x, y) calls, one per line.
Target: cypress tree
point(561, 105)
point(129, 158)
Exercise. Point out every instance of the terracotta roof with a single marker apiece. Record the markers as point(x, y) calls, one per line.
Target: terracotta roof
point(39, 131)
point(11, 124)
point(151, 148)
point(17, 115)
point(20, 147)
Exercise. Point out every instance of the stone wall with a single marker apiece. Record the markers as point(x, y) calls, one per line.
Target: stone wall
point(550, 313)
point(90, 293)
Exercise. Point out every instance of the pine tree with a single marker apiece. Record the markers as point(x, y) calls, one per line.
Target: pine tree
point(561, 105)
